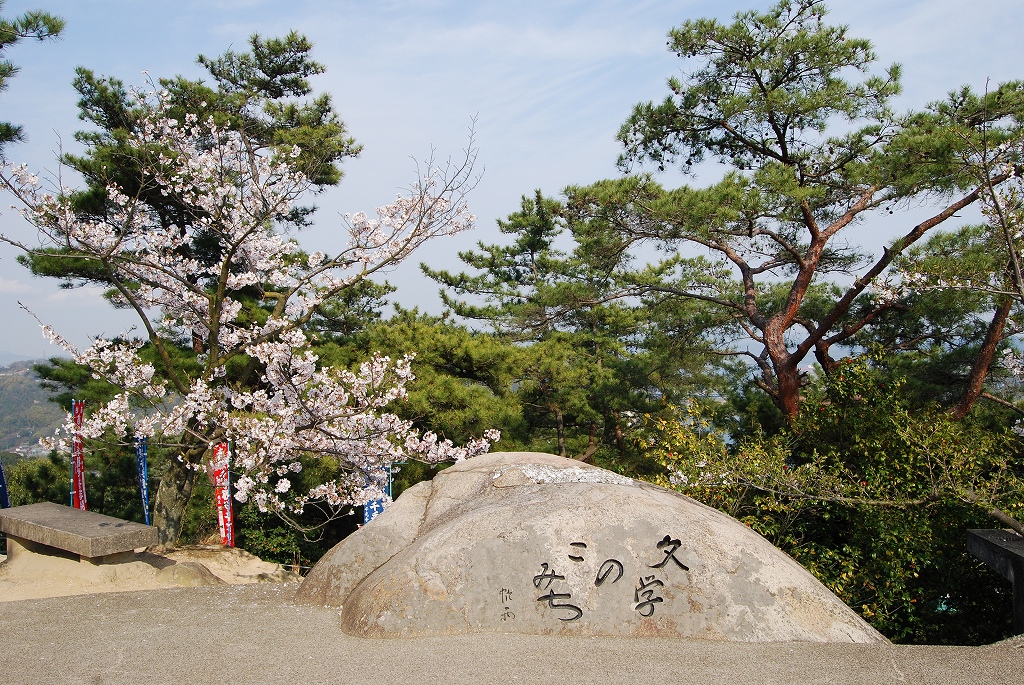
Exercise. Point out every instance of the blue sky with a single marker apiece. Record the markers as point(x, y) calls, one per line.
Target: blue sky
point(549, 83)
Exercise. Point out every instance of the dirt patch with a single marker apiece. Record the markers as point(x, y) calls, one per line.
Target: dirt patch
point(33, 576)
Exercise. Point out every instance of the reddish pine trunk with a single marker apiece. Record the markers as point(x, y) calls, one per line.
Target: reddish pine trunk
point(979, 370)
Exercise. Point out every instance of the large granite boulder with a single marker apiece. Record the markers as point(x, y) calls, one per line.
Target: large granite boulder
point(538, 544)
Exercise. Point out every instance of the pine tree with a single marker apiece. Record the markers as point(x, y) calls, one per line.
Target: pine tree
point(808, 153)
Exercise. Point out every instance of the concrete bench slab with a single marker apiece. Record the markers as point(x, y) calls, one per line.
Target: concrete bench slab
point(46, 527)
point(1003, 550)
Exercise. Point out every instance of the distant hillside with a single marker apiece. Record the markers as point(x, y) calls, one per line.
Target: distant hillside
point(25, 413)
point(10, 357)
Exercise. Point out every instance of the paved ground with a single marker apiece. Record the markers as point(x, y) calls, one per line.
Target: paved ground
point(255, 634)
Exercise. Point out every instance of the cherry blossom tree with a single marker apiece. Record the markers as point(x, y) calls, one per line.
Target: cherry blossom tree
point(251, 377)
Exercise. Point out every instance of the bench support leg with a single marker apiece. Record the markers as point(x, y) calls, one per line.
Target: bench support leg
point(1017, 579)
point(18, 547)
point(119, 558)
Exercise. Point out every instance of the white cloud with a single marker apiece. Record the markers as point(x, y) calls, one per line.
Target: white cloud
point(10, 286)
point(89, 294)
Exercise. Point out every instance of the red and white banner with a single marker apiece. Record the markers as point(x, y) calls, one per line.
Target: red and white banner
point(222, 493)
point(78, 458)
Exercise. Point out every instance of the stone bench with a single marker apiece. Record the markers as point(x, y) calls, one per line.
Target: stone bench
point(57, 530)
point(1003, 550)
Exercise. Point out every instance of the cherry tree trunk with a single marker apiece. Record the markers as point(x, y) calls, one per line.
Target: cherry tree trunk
point(560, 427)
point(172, 498)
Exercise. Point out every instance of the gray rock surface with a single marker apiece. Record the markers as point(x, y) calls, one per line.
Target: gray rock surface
point(536, 544)
point(188, 574)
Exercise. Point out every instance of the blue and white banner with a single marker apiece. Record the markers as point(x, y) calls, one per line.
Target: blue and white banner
point(371, 509)
point(140, 458)
point(5, 500)
point(376, 506)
